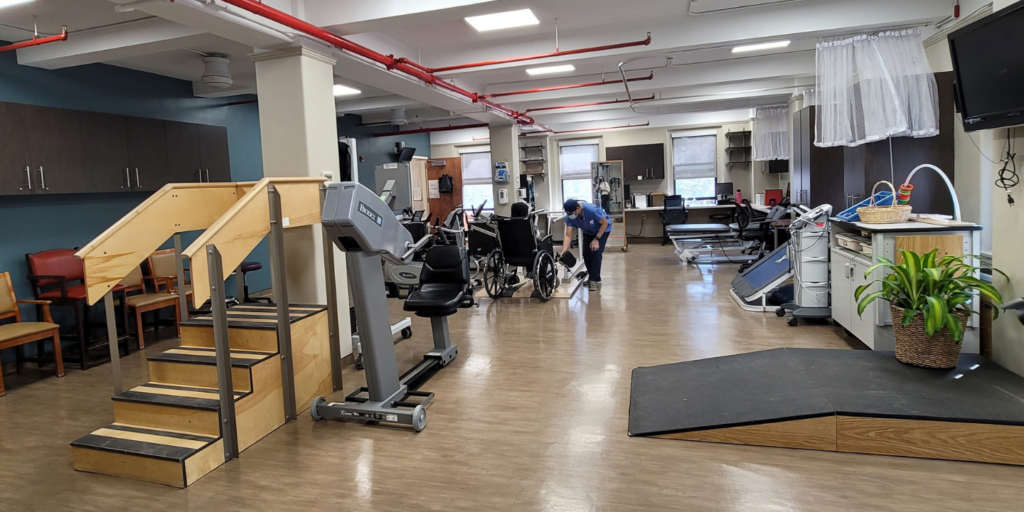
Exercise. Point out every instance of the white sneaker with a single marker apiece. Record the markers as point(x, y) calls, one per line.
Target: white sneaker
point(593, 285)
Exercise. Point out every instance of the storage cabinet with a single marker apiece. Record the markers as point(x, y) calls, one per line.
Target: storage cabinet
point(640, 162)
point(818, 174)
point(45, 150)
point(213, 153)
point(147, 154)
point(847, 274)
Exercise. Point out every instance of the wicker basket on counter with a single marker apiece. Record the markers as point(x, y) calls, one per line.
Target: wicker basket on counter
point(884, 214)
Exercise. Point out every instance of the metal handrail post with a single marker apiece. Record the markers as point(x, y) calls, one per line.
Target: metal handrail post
point(332, 302)
point(115, 355)
point(278, 279)
point(179, 269)
point(225, 385)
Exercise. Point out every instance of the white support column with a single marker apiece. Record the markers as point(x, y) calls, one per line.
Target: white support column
point(505, 148)
point(298, 130)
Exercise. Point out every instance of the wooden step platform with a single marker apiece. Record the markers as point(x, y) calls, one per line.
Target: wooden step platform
point(836, 400)
point(168, 430)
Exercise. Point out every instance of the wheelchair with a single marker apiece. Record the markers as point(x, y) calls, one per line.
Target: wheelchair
point(518, 246)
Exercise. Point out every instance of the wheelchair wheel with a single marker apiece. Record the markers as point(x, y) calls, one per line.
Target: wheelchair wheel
point(495, 275)
point(545, 278)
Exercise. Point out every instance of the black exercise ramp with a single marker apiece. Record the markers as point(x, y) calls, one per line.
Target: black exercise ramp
point(837, 400)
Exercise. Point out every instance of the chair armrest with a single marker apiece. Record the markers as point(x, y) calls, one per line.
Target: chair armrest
point(46, 308)
point(546, 239)
point(61, 280)
point(158, 280)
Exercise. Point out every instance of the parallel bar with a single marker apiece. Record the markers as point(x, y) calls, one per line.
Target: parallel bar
point(332, 302)
point(219, 311)
point(179, 268)
point(278, 279)
point(115, 356)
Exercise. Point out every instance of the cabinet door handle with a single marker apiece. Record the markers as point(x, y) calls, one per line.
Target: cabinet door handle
point(42, 178)
point(127, 178)
point(208, 176)
point(200, 175)
point(28, 176)
point(138, 182)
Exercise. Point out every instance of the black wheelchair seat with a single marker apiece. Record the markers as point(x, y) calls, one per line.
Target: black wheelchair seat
point(444, 283)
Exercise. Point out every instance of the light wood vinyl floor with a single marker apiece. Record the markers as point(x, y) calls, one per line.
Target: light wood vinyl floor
point(531, 416)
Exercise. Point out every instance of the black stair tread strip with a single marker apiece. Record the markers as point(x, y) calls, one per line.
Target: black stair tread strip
point(170, 357)
point(137, 448)
point(294, 316)
point(238, 394)
point(187, 402)
point(214, 351)
point(163, 433)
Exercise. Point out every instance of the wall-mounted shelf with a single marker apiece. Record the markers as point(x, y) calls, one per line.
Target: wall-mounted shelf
point(738, 149)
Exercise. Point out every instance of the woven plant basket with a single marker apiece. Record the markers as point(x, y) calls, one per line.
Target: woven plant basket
point(915, 347)
point(884, 214)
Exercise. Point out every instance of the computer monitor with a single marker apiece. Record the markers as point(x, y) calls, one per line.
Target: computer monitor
point(723, 189)
point(407, 154)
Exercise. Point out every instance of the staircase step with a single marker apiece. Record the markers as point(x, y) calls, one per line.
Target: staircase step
point(205, 399)
point(208, 356)
point(153, 455)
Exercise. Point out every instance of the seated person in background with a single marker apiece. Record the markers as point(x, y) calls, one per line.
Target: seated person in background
point(596, 226)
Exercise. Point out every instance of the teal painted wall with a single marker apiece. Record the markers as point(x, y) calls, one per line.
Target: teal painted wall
point(36, 223)
point(378, 150)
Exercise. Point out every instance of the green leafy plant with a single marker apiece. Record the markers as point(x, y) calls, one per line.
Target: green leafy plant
point(938, 289)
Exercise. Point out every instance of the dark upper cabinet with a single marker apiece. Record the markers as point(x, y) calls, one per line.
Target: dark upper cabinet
point(56, 145)
point(102, 165)
point(45, 150)
point(639, 162)
point(147, 153)
point(818, 175)
point(213, 151)
point(15, 152)
point(184, 164)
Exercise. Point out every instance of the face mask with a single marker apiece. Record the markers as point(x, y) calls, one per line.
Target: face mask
point(573, 216)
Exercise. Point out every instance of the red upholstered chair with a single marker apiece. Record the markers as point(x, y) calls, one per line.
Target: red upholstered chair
point(58, 276)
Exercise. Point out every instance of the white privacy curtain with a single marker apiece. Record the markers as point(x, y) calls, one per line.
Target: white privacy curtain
point(873, 86)
point(771, 133)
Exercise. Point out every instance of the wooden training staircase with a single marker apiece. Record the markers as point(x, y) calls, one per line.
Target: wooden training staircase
point(169, 430)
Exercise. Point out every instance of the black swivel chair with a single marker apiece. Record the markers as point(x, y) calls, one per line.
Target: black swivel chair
point(674, 213)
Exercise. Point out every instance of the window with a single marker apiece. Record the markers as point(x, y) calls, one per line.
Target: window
point(476, 180)
point(574, 159)
point(694, 166)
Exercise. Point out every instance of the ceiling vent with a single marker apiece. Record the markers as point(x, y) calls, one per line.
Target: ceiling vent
point(398, 117)
point(216, 74)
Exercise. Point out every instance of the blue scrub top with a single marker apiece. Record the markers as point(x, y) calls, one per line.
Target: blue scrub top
point(590, 220)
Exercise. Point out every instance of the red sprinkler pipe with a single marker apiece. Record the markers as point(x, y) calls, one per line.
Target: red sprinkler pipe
point(570, 86)
point(36, 41)
point(613, 102)
point(556, 53)
point(648, 123)
point(388, 61)
point(431, 130)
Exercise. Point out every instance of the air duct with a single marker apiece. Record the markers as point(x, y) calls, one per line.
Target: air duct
point(398, 117)
point(216, 75)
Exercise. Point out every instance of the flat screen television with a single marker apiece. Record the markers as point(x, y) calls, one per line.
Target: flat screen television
point(407, 154)
point(989, 67)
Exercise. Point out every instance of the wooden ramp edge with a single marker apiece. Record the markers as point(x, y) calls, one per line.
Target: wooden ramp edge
point(175, 208)
point(925, 439)
point(237, 232)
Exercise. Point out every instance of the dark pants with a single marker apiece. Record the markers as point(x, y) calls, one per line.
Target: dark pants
point(606, 203)
point(592, 259)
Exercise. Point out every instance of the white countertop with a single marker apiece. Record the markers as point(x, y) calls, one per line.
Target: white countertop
point(697, 207)
point(907, 226)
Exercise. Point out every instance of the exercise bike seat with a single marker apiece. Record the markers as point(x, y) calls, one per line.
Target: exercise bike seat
point(444, 283)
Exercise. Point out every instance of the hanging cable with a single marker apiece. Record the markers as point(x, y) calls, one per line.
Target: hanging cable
point(1008, 174)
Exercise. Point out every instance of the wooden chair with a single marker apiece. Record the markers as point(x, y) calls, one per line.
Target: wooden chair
point(162, 265)
point(145, 301)
point(19, 333)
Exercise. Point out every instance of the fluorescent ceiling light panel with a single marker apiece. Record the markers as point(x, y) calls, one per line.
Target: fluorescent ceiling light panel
point(500, 20)
point(342, 90)
point(760, 46)
point(551, 69)
point(8, 3)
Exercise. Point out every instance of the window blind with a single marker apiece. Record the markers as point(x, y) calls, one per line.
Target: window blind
point(694, 156)
point(574, 161)
point(476, 168)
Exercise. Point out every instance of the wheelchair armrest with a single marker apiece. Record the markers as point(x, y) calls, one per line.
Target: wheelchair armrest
point(544, 240)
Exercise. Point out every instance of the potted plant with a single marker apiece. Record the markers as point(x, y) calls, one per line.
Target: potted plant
point(930, 299)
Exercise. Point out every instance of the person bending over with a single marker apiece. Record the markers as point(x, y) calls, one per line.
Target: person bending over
point(596, 226)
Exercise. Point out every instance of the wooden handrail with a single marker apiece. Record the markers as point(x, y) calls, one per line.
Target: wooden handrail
point(241, 228)
point(175, 208)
